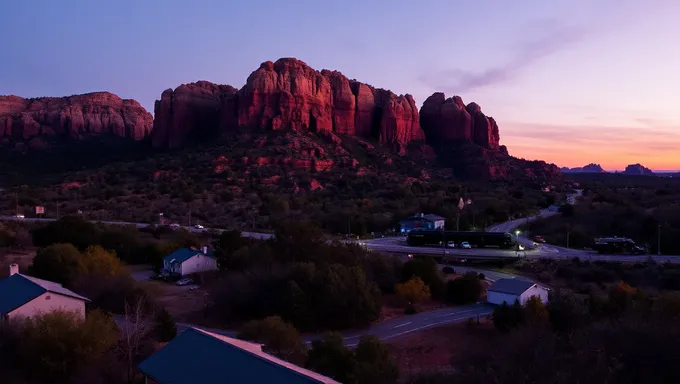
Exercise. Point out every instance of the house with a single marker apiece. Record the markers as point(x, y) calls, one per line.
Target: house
point(24, 296)
point(186, 261)
point(421, 221)
point(198, 356)
point(511, 290)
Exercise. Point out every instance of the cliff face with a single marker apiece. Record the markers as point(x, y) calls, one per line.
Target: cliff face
point(288, 95)
point(450, 120)
point(198, 109)
point(74, 117)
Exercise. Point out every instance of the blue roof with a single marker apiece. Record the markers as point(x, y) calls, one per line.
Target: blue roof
point(195, 356)
point(184, 254)
point(19, 289)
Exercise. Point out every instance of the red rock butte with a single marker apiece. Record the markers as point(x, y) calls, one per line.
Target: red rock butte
point(288, 95)
point(75, 117)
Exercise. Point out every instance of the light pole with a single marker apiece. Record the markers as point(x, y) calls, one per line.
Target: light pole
point(517, 232)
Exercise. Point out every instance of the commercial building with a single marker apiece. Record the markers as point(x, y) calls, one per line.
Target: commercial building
point(510, 290)
point(421, 221)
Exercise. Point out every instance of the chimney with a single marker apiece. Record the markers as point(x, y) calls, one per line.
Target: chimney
point(204, 249)
point(13, 269)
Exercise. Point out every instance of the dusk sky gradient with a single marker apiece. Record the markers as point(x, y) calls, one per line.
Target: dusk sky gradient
point(569, 82)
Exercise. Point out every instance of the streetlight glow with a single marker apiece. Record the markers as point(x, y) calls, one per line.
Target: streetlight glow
point(517, 232)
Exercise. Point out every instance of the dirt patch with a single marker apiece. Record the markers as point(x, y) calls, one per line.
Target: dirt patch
point(182, 302)
point(445, 346)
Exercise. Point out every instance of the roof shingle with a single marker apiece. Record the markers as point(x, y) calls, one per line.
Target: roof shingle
point(511, 286)
point(197, 356)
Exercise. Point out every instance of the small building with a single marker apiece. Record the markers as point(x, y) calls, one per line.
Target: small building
point(186, 261)
point(421, 221)
point(510, 290)
point(24, 296)
point(198, 356)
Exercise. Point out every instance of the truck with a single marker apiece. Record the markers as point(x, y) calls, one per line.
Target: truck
point(617, 245)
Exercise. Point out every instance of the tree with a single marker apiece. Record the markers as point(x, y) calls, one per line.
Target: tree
point(298, 241)
point(466, 289)
point(565, 312)
point(373, 362)
point(535, 312)
point(507, 317)
point(69, 229)
point(165, 327)
point(226, 244)
point(54, 346)
point(330, 357)
point(295, 306)
point(279, 338)
point(99, 261)
point(60, 263)
point(426, 270)
point(135, 328)
point(413, 291)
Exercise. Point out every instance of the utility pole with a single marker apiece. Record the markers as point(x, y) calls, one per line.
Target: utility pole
point(658, 240)
point(443, 244)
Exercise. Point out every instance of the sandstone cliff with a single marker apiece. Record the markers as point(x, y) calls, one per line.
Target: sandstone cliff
point(288, 95)
point(445, 120)
point(75, 117)
point(638, 169)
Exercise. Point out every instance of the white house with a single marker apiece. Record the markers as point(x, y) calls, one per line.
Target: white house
point(186, 261)
point(24, 296)
point(511, 290)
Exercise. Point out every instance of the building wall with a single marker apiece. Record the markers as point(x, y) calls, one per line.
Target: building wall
point(439, 224)
point(409, 224)
point(48, 302)
point(538, 291)
point(498, 298)
point(198, 263)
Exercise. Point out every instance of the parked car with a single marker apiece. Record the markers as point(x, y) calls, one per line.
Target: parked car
point(448, 270)
point(451, 244)
point(199, 226)
point(465, 245)
point(174, 225)
point(184, 281)
point(19, 216)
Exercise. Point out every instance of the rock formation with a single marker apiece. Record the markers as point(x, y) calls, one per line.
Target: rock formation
point(637, 169)
point(288, 95)
point(450, 120)
point(75, 117)
point(195, 110)
point(590, 168)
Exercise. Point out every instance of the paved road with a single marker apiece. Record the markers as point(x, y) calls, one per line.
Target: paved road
point(391, 328)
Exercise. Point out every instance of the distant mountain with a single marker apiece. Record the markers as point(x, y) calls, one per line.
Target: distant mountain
point(637, 169)
point(590, 168)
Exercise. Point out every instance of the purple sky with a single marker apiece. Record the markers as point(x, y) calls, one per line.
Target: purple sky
point(570, 82)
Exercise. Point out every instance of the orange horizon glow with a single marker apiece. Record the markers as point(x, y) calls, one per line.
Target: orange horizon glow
point(612, 147)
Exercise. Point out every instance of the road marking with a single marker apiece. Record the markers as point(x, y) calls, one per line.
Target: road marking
point(454, 313)
point(401, 325)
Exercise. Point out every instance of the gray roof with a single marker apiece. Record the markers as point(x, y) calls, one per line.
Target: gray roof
point(19, 289)
point(511, 286)
point(433, 217)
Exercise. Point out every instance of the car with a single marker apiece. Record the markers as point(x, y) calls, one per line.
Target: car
point(451, 244)
point(184, 281)
point(465, 245)
point(199, 226)
point(539, 239)
point(19, 216)
point(174, 225)
point(448, 270)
